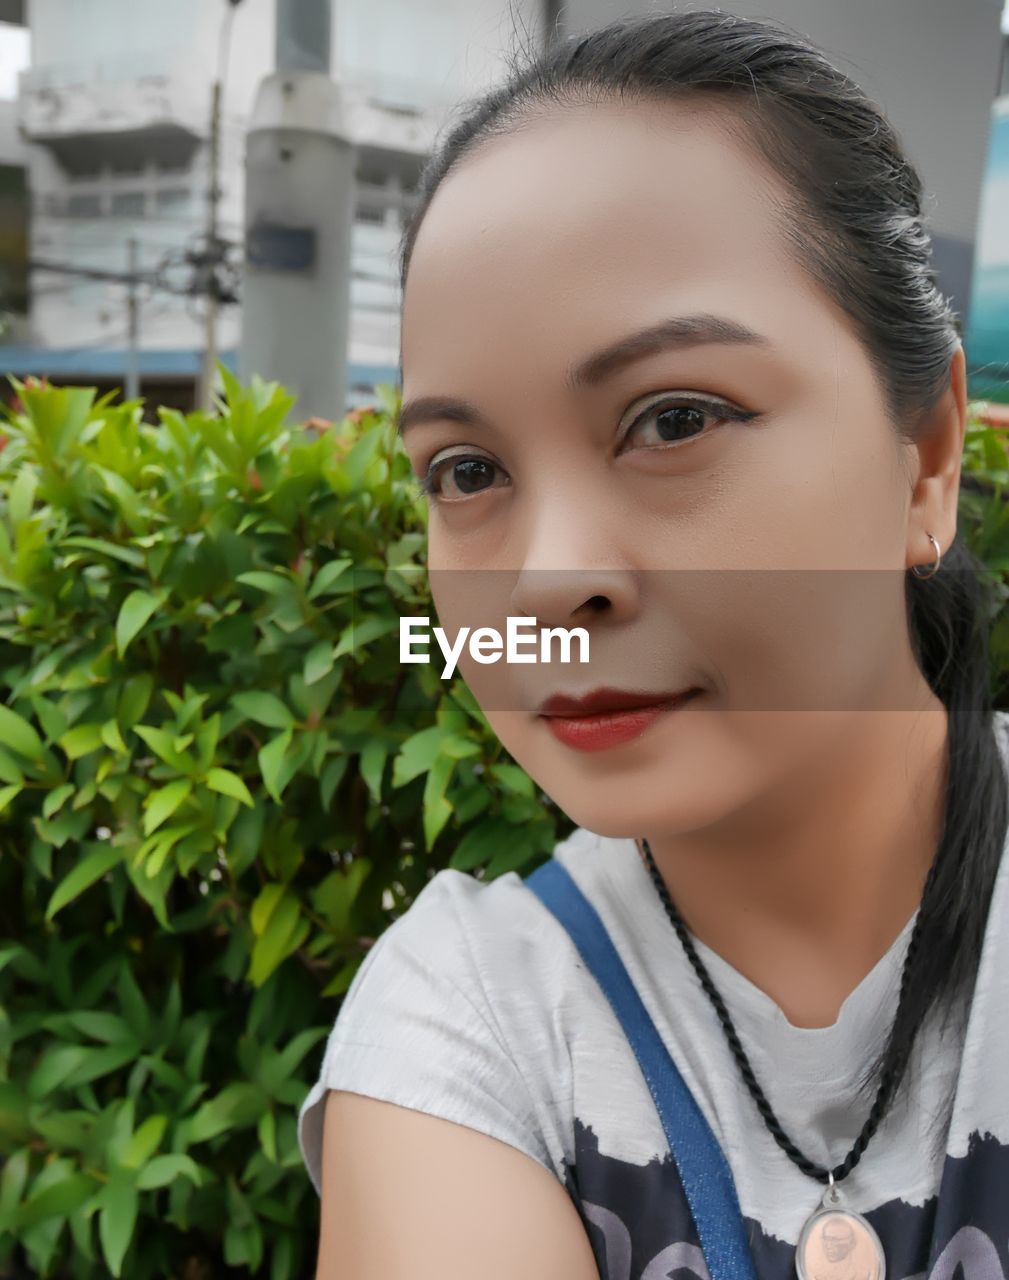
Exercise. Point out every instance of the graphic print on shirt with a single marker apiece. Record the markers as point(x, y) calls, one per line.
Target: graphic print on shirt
point(640, 1228)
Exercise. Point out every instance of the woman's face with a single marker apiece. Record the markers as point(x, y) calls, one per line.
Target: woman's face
point(691, 507)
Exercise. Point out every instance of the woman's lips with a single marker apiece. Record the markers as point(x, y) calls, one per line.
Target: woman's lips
point(610, 728)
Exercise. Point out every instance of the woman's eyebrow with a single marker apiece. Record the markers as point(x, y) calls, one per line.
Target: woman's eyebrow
point(678, 332)
point(675, 333)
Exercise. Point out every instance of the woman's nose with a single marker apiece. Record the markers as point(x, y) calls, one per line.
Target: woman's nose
point(570, 554)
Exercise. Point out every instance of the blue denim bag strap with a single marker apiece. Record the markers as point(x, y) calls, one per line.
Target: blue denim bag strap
point(704, 1170)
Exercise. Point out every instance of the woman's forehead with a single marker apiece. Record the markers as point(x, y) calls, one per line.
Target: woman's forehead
point(619, 181)
point(589, 223)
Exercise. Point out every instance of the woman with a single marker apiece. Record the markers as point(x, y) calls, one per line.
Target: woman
point(668, 306)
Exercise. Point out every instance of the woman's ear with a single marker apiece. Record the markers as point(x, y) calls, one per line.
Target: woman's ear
point(939, 450)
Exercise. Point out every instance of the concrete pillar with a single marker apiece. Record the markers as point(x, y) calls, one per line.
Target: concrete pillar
point(299, 203)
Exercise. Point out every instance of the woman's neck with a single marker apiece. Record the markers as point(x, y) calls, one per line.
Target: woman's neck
point(805, 892)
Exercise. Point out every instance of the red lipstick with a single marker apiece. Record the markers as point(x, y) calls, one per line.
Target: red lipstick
point(607, 717)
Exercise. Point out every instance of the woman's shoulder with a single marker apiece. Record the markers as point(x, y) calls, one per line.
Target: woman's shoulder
point(449, 1013)
point(497, 923)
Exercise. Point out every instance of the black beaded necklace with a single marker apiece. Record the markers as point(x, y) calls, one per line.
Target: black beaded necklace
point(884, 1095)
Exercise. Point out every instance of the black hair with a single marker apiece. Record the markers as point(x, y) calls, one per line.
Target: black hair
point(854, 221)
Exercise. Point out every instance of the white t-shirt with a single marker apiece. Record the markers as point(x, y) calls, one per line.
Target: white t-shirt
point(476, 1006)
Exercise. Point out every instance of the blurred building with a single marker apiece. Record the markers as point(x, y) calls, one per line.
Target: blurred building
point(114, 112)
point(104, 156)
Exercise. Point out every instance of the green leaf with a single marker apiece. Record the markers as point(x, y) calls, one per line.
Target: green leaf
point(56, 799)
point(112, 737)
point(478, 845)
point(229, 784)
point(134, 698)
point(318, 662)
point(56, 1064)
point(99, 1024)
point(271, 763)
point(132, 1002)
point(10, 771)
point(117, 1220)
point(84, 874)
point(265, 708)
point(513, 779)
point(50, 717)
point(359, 634)
point(330, 779)
point(162, 744)
point(417, 754)
point(286, 1063)
point(21, 495)
point(282, 1258)
point(268, 1135)
point(13, 1177)
point(457, 747)
point(145, 1141)
point(154, 851)
point(57, 1200)
point(126, 496)
point(14, 1127)
point(437, 809)
point(7, 794)
point(163, 1170)
point(102, 1061)
point(264, 906)
point(235, 1107)
point(272, 583)
point(285, 931)
point(355, 464)
point(17, 734)
point(127, 554)
point(81, 740)
point(135, 612)
point(207, 739)
point(373, 759)
point(327, 576)
point(160, 805)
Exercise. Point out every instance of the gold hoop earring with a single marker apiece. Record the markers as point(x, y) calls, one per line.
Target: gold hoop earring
point(935, 566)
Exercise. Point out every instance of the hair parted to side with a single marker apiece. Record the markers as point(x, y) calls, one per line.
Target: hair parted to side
point(854, 221)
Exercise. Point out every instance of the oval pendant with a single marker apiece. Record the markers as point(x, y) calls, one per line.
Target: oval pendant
point(837, 1243)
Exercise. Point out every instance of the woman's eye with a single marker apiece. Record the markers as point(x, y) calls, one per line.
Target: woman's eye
point(469, 474)
point(679, 420)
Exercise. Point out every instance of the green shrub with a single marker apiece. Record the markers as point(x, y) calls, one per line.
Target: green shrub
point(983, 523)
point(218, 785)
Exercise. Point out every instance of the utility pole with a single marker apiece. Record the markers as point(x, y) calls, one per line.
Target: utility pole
point(133, 316)
point(212, 255)
point(214, 196)
point(300, 167)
